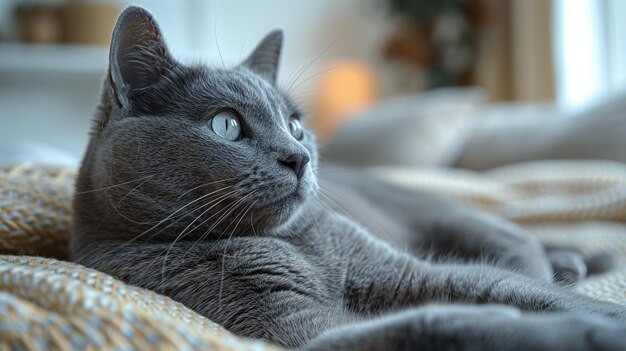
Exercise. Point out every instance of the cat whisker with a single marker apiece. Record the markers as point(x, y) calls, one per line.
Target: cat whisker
point(203, 236)
point(232, 208)
point(184, 232)
point(229, 210)
point(113, 186)
point(97, 227)
point(213, 204)
point(217, 44)
point(243, 45)
point(152, 221)
point(315, 75)
point(337, 203)
point(298, 73)
point(225, 249)
point(114, 206)
point(226, 214)
point(252, 225)
point(240, 216)
point(139, 143)
point(157, 221)
point(202, 186)
point(310, 209)
point(180, 209)
point(221, 199)
point(340, 207)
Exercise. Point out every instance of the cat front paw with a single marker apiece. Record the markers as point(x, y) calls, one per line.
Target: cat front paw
point(571, 265)
point(585, 332)
point(495, 327)
point(477, 327)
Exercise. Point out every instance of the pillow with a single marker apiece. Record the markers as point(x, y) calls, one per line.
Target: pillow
point(518, 132)
point(417, 129)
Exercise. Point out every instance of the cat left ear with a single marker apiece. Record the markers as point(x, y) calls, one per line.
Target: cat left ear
point(138, 54)
point(265, 58)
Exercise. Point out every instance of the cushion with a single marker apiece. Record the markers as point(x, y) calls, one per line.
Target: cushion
point(412, 130)
point(517, 132)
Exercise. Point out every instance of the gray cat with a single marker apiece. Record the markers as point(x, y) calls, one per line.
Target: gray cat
point(200, 184)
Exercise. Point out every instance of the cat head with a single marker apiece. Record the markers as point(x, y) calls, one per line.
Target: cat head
point(211, 150)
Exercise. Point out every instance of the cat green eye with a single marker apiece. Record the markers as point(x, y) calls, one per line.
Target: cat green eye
point(226, 125)
point(295, 128)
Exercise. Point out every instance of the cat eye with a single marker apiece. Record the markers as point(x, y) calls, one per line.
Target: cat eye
point(295, 128)
point(226, 125)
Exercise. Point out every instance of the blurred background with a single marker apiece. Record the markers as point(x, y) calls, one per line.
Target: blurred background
point(515, 107)
point(549, 59)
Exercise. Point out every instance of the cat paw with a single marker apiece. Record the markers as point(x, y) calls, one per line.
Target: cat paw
point(477, 327)
point(571, 266)
point(584, 332)
point(495, 327)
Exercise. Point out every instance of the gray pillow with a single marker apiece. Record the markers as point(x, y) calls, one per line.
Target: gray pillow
point(511, 133)
point(418, 129)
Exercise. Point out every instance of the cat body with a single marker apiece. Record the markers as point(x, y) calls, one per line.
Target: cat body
point(201, 184)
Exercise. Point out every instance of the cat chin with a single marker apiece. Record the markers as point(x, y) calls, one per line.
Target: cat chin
point(302, 192)
point(284, 222)
point(274, 214)
point(280, 215)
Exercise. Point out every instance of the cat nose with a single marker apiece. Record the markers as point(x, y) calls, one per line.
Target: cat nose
point(297, 162)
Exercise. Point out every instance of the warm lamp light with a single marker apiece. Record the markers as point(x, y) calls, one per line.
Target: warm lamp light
point(346, 88)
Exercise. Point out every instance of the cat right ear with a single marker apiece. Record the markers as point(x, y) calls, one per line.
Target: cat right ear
point(138, 54)
point(265, 57)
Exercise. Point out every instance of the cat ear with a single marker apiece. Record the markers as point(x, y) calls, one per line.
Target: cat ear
point(138, 54)
point(266, 56)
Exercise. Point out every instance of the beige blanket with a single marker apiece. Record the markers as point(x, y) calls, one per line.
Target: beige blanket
point(47, 303)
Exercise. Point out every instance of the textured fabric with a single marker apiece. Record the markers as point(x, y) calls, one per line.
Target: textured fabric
point(35, 210)
point(534, 192)
point(46, 303)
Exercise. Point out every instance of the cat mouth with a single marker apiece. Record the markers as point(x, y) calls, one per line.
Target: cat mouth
point(282, 200)
point(291, 198)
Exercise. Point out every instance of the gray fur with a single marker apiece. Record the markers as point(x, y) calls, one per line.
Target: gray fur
point(228, 230)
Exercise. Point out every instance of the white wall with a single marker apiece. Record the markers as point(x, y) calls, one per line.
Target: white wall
point(317, 32)
point(57, 108)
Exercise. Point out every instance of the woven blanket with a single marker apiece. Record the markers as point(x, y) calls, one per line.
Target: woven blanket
point(48, 303)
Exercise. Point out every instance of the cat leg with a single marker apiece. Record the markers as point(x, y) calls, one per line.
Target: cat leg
point(384, 280)
point(428, 223)
point(483, 284)
point(470, 236)
point(490, 327)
